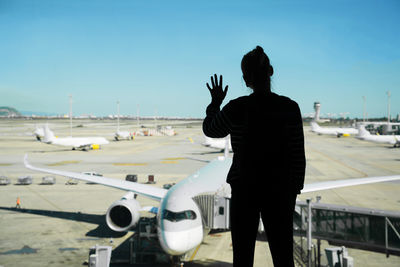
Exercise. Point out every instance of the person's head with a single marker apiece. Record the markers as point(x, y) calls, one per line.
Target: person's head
point(257, 70)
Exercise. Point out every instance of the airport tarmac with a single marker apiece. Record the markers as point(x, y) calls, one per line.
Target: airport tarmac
point(64, 221)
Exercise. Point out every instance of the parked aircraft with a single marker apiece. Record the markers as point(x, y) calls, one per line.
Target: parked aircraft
point(363, 134)
point(218, 143)
point(332, 130)
point(83, 143)
point(180, 225)
point(121, 135)
point(39, 133)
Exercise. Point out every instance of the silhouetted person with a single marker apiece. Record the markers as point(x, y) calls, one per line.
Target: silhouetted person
point(268, 164)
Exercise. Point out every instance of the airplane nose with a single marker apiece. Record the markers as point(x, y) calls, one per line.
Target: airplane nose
point(176, 242)
point(180, 242)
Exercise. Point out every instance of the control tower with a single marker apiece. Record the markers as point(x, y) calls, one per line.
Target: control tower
point(317, 107)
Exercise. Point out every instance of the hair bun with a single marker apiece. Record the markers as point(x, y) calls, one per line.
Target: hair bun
point(259, 49)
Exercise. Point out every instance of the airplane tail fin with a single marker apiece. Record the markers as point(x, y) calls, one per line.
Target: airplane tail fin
point(314, 125)
point(362, 131)
point(48, 134)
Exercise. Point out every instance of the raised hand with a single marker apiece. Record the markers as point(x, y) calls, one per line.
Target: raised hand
point(217, 94)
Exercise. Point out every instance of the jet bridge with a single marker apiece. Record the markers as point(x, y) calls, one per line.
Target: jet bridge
point(361, 228)
point(215, 211)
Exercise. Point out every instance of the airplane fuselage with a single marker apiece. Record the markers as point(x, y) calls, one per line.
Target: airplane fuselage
point(78, 141)
point(332, 130)
point(386, 139)
point(179, 218)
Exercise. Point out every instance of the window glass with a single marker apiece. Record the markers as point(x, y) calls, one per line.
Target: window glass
point(179, 216)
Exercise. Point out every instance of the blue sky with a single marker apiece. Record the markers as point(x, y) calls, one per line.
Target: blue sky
point(160, 54)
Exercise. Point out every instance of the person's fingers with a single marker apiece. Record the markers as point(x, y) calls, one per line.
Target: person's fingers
point(226, 90)
point(208, 86)
point(212, 82)
point(220, 81)
point(216, 80)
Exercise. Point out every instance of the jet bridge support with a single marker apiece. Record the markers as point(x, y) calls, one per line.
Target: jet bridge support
point(361, 228)
point(353, 227)
point(144, 247)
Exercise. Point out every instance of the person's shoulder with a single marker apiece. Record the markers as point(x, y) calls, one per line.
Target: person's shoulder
point(240, 99)
point(285, 100)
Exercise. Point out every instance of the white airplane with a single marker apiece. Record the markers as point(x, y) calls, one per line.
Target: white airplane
point(83, 143)
point(121, 135)
point(332, 130)
point(39, 133)
point(363, 134)
point(180, 225)
point(218, 143)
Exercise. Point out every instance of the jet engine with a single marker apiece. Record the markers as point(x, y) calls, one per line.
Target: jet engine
point(123, 214)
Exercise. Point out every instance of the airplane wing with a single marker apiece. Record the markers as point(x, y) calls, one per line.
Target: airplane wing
point(140, 189)
point(158, 193)
point(349, 182)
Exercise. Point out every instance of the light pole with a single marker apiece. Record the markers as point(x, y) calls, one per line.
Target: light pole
point(363, 108)
point(137, 115)
point(388, 94)
point(70, 115)
point(118, 116)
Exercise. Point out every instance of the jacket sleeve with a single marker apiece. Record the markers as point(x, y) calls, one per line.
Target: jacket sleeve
point(296, 149)
point(217, 123)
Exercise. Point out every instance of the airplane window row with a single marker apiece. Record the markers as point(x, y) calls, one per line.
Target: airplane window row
point(179, 216)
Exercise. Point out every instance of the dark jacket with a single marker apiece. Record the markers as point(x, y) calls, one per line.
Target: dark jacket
point(267, 139)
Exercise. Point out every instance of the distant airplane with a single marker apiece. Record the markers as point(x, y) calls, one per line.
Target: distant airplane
point(83, 143)
point(332, 130)
point(363, 134)
point(121, 135)
point(180, 225)
point(218, 143)
point(39, 133)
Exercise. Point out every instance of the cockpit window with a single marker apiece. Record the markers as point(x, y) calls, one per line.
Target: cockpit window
point(179, 216)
